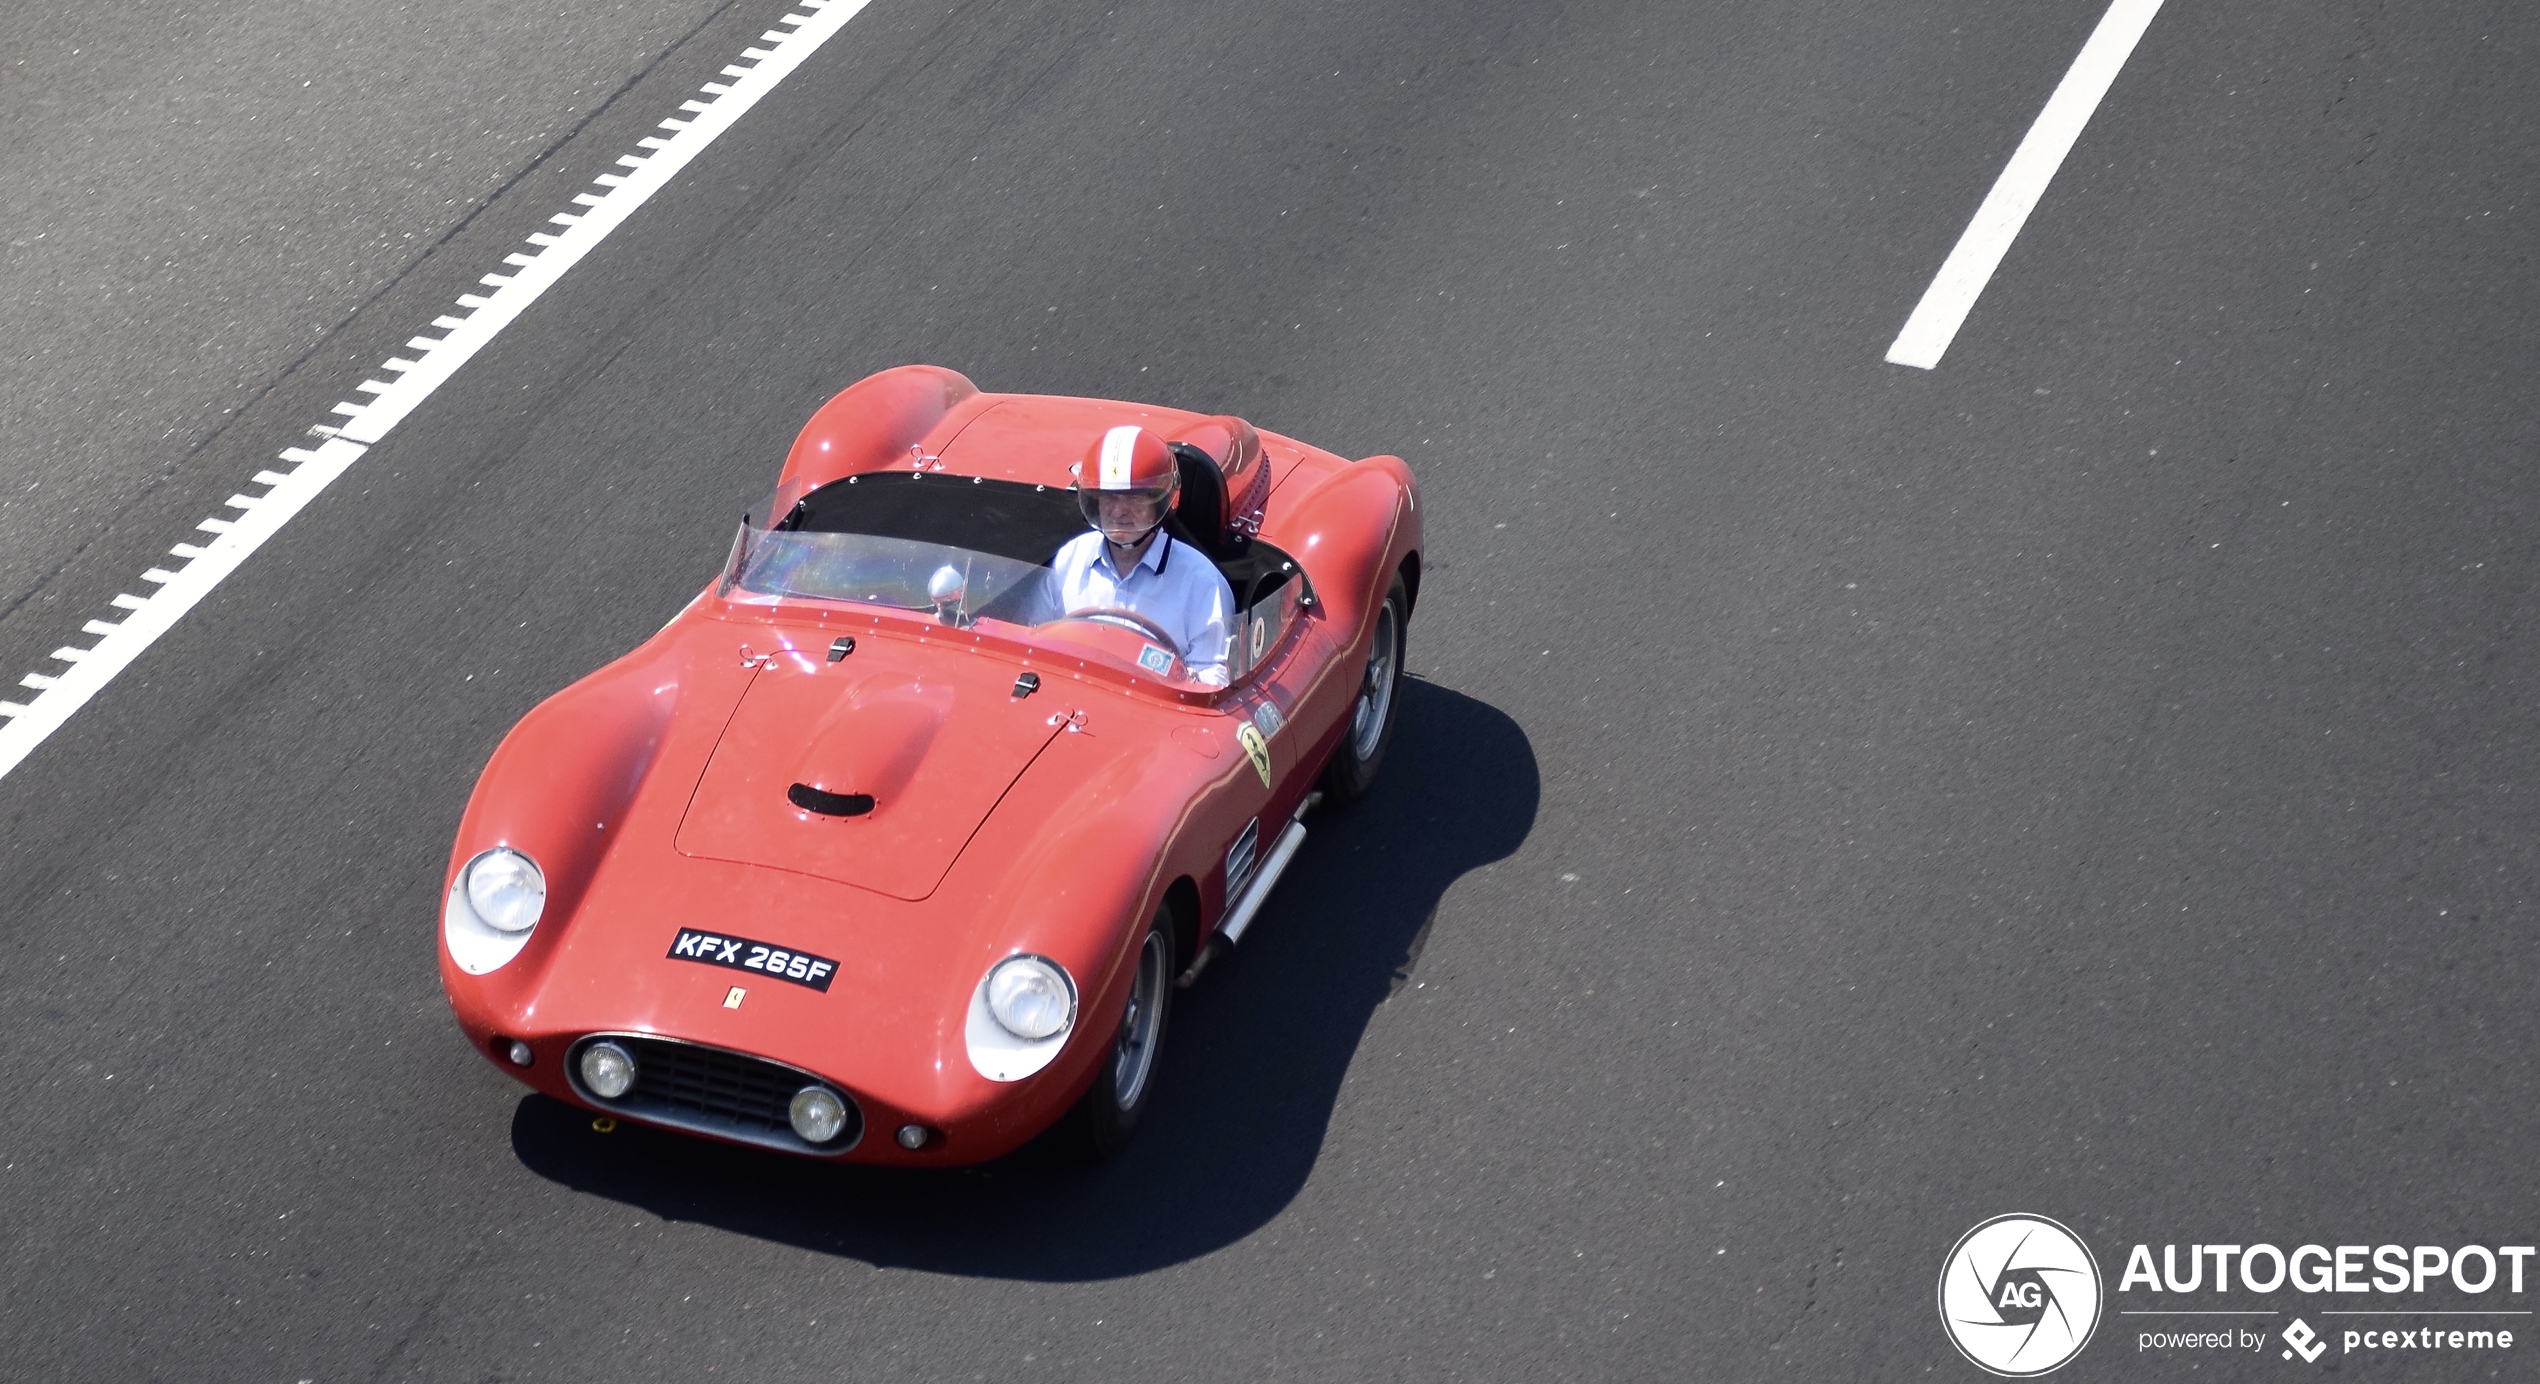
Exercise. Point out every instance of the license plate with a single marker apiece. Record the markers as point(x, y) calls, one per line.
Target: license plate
point(742, 954)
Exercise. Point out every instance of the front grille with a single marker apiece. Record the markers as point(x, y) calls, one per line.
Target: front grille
point(712, 1091)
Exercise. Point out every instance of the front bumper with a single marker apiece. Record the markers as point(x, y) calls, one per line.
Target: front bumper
point(734, 1096)
point(715, 1092)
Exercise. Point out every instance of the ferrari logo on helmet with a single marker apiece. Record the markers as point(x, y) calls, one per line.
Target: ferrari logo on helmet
point(1256, 749)
point(1118, 445)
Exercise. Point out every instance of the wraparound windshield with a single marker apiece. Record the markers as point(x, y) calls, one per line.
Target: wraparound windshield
point(974, 551)
point(958, 584)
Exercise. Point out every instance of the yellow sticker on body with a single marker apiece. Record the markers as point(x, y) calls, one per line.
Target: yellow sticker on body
point(1256, 749)
point(732, 999)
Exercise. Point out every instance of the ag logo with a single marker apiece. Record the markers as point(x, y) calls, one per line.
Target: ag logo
point(2019, 1295)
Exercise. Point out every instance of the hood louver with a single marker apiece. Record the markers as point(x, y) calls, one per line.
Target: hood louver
point(811, 799)
point(875, 778)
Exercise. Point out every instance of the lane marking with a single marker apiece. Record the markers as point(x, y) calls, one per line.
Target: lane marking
point(406, 381)
point(1936, 319)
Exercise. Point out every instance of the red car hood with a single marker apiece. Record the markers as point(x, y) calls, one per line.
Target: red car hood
point(874, 775)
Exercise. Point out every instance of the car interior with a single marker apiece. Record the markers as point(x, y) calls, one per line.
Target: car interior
point(1028, 523)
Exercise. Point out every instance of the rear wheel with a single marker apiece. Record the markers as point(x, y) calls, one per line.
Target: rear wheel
point(1110, 1110)
point(1370, 729)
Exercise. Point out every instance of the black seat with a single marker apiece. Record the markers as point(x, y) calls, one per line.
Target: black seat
point(1253, 570)
point(1199, 513)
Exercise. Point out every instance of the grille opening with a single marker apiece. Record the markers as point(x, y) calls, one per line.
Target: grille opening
point(711, 1091)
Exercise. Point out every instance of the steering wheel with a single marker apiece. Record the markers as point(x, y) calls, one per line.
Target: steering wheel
point(1127, 620)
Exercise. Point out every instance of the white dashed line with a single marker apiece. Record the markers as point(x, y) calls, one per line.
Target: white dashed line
point(1936, 319)
point(405, 382)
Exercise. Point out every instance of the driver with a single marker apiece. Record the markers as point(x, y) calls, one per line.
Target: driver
point(1125, 486)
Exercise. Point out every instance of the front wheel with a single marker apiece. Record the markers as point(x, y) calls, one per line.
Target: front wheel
point(1370, 729)
point(1109, 1111)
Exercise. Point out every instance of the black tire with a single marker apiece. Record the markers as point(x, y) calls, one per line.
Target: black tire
point(1125, 1083)
point(1352, 770)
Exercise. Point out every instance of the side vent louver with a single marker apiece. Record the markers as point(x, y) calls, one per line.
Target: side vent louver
point(1242, 857)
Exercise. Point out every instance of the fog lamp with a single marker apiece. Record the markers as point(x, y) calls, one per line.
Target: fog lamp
point(609, 1070)
point(818, 1114)
point(912, 1136)
point(518, 1052)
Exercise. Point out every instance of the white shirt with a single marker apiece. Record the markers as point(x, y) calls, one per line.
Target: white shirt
point(1173, 584)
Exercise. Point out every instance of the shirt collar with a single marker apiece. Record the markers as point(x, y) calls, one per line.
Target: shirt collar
point(1152, 559)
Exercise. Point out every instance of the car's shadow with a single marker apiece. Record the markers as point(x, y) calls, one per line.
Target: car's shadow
point(1255, 1060)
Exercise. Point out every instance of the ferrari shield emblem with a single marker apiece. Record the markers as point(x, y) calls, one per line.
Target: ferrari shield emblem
point(1256, 749)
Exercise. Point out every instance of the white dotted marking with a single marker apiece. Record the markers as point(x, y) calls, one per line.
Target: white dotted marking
point(403, 384)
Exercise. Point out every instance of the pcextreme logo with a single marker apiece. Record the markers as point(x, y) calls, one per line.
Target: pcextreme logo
point(2019, 1295)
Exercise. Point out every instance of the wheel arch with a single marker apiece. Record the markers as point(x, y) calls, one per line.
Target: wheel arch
point(869, 424)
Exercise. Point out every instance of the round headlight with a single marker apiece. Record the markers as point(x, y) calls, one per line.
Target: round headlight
point(609, 1070)
point(1031, 997)
point(818, 1114)
point(506, 889)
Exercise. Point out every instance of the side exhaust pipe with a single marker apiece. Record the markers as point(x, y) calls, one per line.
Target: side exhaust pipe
point(1248, 906)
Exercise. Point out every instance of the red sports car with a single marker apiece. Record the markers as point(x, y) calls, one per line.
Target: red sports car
point(878, 853)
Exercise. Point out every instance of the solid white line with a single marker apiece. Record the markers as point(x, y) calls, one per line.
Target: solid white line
point(1936, 319)
point(482, 317)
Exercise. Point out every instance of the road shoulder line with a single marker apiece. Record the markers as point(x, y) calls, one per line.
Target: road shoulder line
point(405, 381)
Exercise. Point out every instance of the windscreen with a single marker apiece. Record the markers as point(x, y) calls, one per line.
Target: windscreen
point(963, 547)
point(898, 572)
point(967, 551)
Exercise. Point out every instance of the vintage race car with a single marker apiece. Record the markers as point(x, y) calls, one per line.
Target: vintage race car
point(873, 853)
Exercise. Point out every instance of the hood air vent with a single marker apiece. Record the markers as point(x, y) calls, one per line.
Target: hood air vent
point(811, 799)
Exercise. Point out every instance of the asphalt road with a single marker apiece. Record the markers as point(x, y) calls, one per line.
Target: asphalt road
point(196, 199)
point(1841, 802)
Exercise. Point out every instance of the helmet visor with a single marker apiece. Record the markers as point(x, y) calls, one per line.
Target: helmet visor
point(1125, 516)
